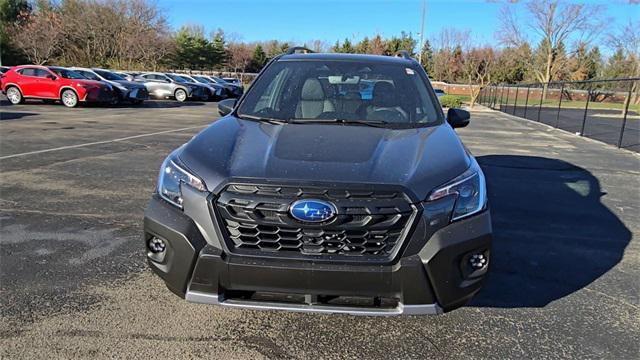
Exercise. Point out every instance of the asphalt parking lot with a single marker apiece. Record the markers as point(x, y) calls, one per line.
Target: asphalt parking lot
point(600, 124)
point(74, 283)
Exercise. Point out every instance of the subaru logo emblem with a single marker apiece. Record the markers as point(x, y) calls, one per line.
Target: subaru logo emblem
point(311, 210)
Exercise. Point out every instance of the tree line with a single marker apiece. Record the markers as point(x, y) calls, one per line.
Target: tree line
point(565, 41)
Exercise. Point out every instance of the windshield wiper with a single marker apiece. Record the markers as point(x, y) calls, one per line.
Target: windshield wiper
point(264, 119)
point(373, 123)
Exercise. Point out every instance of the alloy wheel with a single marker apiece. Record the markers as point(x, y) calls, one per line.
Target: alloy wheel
point(181, 95)
point(69, 98)
point(14, 95)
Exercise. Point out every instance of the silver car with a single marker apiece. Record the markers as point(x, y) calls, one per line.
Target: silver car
point(162, 86)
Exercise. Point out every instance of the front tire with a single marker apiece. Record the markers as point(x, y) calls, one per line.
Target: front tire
point(180, 95)
point(14, 95)
point(69, 98)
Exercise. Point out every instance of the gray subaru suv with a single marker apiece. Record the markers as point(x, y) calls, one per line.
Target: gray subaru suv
point(314, 194)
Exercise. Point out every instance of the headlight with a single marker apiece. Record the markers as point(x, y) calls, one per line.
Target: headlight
point(469, 189)
point(172, 177)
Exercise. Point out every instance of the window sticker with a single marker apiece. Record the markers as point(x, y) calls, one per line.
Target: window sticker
point(409, 71)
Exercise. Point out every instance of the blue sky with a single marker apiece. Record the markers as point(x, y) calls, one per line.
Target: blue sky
point(330, 20)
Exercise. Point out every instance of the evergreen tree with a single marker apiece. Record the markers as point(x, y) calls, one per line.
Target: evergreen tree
point(511, 66)
point(336, 47)
point(595, 59)
point(259, 58)
point(427, 57)
point(618, 66)
point(583, 64)
point(347, 47)
point(363, 47)
point(218, 55)
point(193, 50)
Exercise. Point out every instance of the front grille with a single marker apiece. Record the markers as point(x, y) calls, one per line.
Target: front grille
point(369, 223)
point(198, 91)
point(142, 94)
point(100, 94)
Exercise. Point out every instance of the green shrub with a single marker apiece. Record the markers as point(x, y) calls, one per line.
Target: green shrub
point(451, 101)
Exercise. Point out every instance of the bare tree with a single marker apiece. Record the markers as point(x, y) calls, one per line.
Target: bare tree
point(627, 38)
point(477, 67)
point(447, 60)
point(553, 23)
point(39, 36)
point(319, 45)
point(240, 56)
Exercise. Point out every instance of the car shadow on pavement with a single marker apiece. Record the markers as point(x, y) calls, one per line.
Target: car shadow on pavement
point(552, 235)
point(14, 115)
point(166, 104)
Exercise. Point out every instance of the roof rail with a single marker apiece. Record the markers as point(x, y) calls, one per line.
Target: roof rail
point(403, 54)
point(297, 50)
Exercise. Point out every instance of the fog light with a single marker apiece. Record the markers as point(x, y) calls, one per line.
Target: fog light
point(478, 261)
point(156, 245)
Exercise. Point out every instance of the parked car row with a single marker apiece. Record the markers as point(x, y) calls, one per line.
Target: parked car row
point(74, 85)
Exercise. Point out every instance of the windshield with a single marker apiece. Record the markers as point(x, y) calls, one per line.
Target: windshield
point(109, 75)
point(178, 78)
point(203, 79)
point(218, 80)
point(307, 90)
point(68, 74)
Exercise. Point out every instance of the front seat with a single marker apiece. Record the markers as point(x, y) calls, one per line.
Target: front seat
point(312, 100)
point(351, 102)
point(385, 105)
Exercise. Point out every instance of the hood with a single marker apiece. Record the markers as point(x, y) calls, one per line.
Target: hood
point(129, 84)
point(91, 82)
point(198, 85)
point(417, 159)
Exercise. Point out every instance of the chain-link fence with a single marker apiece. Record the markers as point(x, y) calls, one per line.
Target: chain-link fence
point(604, 110)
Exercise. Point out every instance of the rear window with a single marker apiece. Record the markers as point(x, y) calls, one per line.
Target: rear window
point(309, 89)
point(27, 72)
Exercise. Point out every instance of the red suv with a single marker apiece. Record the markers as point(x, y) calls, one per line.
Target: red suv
point(53, 83)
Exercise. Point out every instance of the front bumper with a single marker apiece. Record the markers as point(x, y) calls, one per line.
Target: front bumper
point(137, 94)
point(430, 276)
point(99, 95)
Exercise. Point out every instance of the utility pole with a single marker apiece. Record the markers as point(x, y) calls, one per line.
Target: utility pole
point(424, 5)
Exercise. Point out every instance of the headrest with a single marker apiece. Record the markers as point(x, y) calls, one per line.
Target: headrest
point(384, 94)
point(312, 90)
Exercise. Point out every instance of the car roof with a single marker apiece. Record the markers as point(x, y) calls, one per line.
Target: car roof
point(349, 57)
point(31, 66)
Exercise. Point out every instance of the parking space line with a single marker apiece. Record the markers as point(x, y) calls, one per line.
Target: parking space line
point(99, 142)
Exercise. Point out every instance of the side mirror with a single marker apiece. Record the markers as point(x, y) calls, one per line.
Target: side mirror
point(51, 77)
point(226, 106)
point(458, 118)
